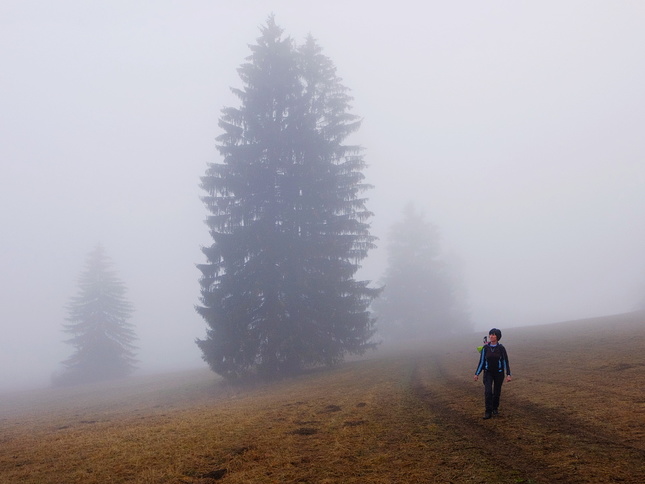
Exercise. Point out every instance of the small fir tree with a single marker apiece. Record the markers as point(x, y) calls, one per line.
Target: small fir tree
point(98, 325)
point(288, 225)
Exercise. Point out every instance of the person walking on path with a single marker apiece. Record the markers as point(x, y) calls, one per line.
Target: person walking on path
point(494, 363)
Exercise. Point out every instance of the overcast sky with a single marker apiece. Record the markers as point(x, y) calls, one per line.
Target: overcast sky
point(519, 127)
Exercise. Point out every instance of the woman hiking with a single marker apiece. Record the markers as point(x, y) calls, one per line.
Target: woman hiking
point(494, 363)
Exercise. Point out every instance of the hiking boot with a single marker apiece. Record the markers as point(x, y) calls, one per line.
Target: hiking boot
point(487, 415)
point(495, 413)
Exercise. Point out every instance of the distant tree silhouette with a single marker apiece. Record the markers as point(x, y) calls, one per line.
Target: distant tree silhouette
point(422, 293)
point(97, 322)
point(288, 225)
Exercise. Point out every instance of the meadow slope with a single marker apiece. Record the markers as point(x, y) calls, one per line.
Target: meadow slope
point(574, 413)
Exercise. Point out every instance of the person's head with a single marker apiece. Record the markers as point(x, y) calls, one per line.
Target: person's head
point(496, 334)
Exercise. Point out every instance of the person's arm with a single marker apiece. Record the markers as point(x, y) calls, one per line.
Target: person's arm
point(507, 366)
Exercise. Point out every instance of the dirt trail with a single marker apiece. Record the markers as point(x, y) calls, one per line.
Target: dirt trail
point(528, 442)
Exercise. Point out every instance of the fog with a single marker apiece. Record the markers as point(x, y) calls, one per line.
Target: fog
point(516, 126)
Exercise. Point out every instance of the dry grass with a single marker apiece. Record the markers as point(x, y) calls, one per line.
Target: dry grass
point(324, 427)
point(574, 413)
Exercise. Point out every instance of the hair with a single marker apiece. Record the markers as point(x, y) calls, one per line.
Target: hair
point(496, 332)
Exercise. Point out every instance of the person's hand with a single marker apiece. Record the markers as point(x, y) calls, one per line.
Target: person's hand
point(508, 378)
point(476, 377)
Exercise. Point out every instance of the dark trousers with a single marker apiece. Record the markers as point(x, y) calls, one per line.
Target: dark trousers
point(492, 389)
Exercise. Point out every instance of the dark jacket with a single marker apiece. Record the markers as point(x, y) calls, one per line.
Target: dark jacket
point(493, 358)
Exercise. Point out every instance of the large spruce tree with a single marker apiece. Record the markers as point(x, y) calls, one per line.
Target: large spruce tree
point(98, 324)
point(288, 224)
point(423, 293)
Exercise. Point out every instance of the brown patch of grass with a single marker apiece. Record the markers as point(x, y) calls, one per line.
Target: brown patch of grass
point(326, 427)
point(395, 418)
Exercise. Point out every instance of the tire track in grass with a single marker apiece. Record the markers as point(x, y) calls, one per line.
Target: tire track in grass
point(557, 419)
point(539, 444)
point(501, 460)
point(584, 432)
point(581, 442)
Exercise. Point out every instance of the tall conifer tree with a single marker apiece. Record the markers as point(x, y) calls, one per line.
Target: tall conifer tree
point(98, 324)
point(288, 224)
point(423, 292)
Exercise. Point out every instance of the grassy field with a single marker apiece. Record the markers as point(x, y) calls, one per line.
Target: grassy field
point(575, 412)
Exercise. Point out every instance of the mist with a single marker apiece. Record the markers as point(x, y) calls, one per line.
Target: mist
point(517, 128)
